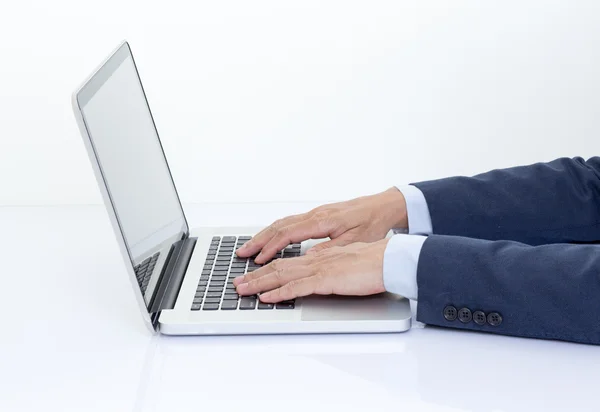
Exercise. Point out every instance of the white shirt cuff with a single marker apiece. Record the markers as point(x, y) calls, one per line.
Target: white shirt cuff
point(400, 261)
point(419, 219)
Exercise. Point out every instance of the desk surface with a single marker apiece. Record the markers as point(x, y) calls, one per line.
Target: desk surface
point(65, 346)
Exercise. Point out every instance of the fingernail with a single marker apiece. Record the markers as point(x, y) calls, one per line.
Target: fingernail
point(265, 295)
point(238, 280)
point(258, 257)
point(242, 286)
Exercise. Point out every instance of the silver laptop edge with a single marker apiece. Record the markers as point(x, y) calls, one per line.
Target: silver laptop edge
point(165, 305)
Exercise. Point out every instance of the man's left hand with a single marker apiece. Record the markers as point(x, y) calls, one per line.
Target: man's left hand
point(355, 269)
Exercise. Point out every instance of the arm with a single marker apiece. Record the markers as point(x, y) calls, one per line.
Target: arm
point(537, 204)
point(549, 291)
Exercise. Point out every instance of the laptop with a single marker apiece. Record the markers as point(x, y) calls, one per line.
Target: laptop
point(182, 277)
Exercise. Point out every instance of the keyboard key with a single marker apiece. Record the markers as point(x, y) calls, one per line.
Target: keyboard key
point(220, 273)
point(206, 272)
point(212, 300)
point(223, 259)
point(231, 296)
point(203, 283)
point(199, 294)
point(285, 305)
point(229, 305)
point(210, 306)
point(207, 267)
point(218, 278)
point(200, 289)
point(248, 302)
point(213, 295)
point(237, 270)
point(197, 301)
point(215, 289)
point(262, 305)
point(195, 307)
point(228, 238)
point(221, 265)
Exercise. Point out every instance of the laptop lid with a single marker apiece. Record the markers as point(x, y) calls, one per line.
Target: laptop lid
point(131, 168)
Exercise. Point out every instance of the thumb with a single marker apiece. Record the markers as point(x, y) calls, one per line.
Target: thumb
point(339, 241)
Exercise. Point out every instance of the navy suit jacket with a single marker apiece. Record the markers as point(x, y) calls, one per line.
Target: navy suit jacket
point(519, 242)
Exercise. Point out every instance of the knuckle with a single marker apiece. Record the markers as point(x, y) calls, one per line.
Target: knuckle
point(278, 276)
point(321, 215)
point(272, 230)
point(282, 231)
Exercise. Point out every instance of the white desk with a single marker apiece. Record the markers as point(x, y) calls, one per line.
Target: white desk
point(72, 340)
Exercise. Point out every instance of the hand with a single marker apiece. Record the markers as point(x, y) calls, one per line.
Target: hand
point(365, 219)
point(356, 269)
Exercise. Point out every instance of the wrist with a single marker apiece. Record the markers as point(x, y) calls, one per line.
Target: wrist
point(395, 211)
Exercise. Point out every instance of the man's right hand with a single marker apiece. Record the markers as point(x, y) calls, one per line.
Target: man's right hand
point(365, 219)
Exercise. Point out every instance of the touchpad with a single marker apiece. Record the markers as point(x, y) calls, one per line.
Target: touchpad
point(384, 306)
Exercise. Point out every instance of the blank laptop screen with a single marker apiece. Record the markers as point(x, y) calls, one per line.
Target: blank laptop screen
point(122, 131)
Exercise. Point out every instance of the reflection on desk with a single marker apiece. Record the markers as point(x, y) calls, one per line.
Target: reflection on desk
point(72, 340)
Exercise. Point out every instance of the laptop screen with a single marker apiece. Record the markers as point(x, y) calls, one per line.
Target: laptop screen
point(131, 158)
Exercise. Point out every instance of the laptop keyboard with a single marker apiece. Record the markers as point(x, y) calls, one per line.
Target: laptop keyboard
point(143, 271)
point(215, 289)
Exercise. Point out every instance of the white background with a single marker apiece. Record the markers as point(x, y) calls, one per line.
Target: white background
point(308, 100)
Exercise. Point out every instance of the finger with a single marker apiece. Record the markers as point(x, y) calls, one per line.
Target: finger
point(257, 242)
point(339, 241)
point(291, 290)
point(298, 232)
point(273, 280)
point(279, 264)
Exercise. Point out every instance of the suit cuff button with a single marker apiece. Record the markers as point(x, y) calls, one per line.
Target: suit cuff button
point(450, 313)
point(465, 315)
point(494, 319)
point(479, 317)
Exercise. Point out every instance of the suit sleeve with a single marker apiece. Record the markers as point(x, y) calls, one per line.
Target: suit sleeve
point(555, 202)
point(549, 291)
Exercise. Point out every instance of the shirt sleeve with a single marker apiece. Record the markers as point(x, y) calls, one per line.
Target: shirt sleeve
point(400, 261)
point(419, 219)
point(401, 255)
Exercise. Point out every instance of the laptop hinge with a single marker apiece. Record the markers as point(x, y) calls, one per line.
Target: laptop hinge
point(172, 276)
